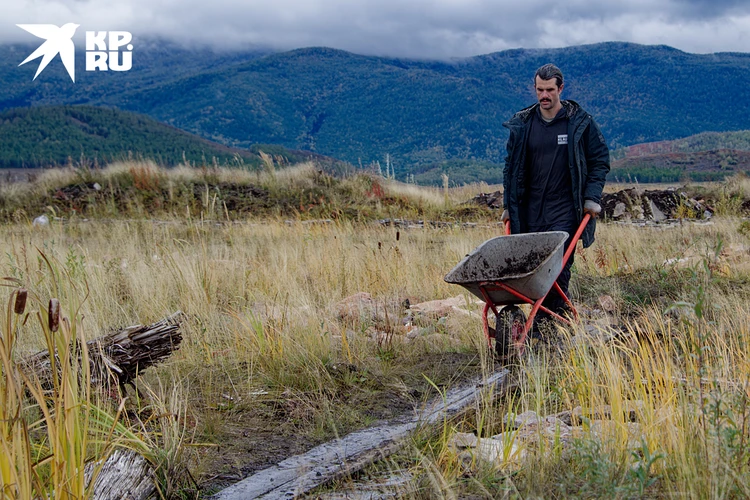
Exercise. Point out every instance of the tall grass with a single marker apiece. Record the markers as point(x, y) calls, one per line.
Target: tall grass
point(55, 440)
point(263, 334)
point(682, 377)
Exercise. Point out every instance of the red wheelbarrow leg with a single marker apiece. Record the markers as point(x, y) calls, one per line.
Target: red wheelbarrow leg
point(566, 299)
point(568, 253)
point(485, 325)
point(487, 306)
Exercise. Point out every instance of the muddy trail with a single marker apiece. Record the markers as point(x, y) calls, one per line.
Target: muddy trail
point(253, 437)
point(342, 457)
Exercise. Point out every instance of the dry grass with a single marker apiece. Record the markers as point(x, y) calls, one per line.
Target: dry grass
point(143, 190)
point(687, 374)
point(262, 330)
point(263, 340)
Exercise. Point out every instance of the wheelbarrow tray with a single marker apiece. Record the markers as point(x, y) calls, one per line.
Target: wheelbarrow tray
point(528, 263)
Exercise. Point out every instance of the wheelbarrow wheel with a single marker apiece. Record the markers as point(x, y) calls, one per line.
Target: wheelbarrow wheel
point(508, 329)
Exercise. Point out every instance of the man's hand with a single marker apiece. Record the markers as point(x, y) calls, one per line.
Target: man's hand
point(505, 215)
point(592, 207)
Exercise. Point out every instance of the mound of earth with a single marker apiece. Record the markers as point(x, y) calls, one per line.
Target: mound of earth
point(655, 204)
point(634, 204)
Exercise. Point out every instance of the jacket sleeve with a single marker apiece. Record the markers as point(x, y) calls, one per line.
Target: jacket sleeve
point(506, 171)
point(597, 163)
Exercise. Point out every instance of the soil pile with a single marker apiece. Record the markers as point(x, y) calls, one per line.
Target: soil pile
point(657, 205)
point(635, 204)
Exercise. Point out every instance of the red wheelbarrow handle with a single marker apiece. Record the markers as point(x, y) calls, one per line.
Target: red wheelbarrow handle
point(576, 237)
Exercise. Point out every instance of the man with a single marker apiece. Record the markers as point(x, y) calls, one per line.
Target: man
point(555, 169)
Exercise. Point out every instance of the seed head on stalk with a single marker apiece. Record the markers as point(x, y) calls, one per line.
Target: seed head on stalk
point(53, 315)
point(20, 305)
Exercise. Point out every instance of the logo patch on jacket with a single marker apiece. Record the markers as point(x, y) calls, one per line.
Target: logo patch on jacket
point(562, 139)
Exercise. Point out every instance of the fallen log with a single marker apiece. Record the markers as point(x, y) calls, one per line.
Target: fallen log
point(118, 356)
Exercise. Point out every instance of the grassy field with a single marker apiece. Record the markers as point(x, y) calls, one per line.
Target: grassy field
point(271, 366)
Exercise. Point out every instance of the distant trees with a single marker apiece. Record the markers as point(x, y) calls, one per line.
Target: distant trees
point(56, 135)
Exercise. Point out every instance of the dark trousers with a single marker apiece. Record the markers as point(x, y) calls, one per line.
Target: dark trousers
point(554, 302)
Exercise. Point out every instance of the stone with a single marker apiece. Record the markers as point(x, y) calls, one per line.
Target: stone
point(520, 420)
point(607, 303)
point(656, 214)
point(554, 426)
point(501, 453)
point(566, 417)
point(681, 312)
point(463, 440)
point(619, 211)
point(41, 221)
point(442, 308)
point(413, 332)
point(491, 450)
point(361, 307)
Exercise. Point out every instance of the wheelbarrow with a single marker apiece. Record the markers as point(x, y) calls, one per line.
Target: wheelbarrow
point(516, 269)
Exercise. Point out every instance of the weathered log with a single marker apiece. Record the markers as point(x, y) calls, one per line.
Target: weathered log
point(124, 475)
point(119, 356)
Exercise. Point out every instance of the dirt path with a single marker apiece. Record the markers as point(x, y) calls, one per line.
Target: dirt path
point(339, 457)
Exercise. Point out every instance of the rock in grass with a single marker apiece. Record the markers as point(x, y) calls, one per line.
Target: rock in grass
point(40, 221)
point(607, 303)
point(521, 420)
point(462, 441)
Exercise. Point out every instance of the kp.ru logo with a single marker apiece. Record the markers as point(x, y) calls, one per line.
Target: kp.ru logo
point(102, 48)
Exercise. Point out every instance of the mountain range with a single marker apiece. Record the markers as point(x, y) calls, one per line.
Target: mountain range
point(418, 114)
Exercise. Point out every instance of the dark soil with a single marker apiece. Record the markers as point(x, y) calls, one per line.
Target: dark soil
point(478, 268)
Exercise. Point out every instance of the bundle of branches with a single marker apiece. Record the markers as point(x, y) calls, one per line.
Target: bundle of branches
point(121, 355)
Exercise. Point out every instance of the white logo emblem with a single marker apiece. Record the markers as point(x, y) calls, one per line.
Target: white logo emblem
point(562, 139)
point(103, 48)
point(59, 41)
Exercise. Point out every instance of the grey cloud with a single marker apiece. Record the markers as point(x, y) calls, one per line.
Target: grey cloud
point(406, 28)
point(708, 9)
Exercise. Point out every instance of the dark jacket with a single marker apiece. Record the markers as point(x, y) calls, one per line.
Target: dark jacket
point(588, 160)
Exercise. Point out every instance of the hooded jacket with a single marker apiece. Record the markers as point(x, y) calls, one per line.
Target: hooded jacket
point(588, 160)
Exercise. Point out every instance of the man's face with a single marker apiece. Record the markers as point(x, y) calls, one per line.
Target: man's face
point(548, 93)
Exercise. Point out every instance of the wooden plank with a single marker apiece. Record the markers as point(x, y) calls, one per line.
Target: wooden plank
point(301, 473)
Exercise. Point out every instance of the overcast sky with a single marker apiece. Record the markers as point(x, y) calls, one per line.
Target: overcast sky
point(403, 28)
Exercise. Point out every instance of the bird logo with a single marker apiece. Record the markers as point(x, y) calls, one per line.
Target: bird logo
point(58, 41)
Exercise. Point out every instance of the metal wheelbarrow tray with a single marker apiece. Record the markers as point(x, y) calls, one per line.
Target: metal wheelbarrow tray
point(528, 263)
point(516, 269)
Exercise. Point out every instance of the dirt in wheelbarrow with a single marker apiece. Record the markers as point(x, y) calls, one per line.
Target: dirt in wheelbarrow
point(251, 435)
point(481, 269)
point(531, 261)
